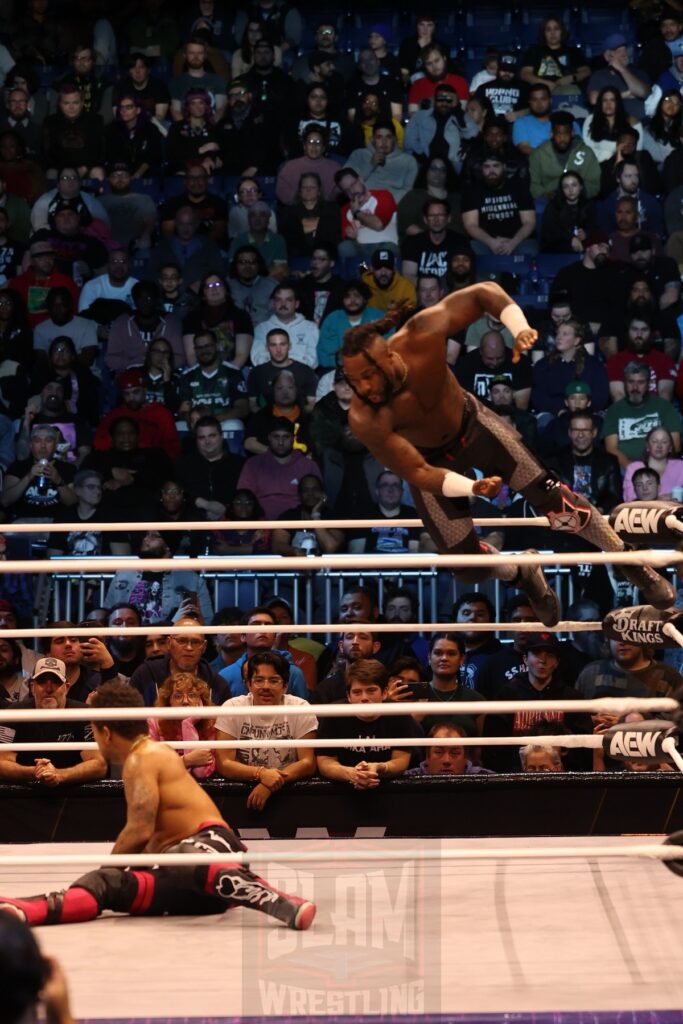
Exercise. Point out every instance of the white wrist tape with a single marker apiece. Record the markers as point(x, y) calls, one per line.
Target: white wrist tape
point(455, 485)
point(513, 318)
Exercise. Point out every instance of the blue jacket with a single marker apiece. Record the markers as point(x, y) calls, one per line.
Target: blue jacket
point(233, 677)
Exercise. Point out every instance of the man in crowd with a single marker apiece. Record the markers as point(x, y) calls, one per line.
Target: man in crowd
point(430, 251)
point(185, 654)
point(274, 475)
point(447, 760)
point(267, 681)
point(256, 643)
point(212, 385)
point(387, 284)
point(302, 333)
point(478, 367)
point(260, 382)
point(364, 765)
point(564, 151)
point(628, 421)
point(209, 474)
point(586, 467)
point(498, 214)
point(49, 692)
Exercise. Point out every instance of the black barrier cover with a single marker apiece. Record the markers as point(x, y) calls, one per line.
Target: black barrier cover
point(501, 805)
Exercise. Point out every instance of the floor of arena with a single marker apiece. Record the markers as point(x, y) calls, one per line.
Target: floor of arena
point(552, 940)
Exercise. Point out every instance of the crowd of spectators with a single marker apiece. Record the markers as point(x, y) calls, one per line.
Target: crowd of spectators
point(196, 202)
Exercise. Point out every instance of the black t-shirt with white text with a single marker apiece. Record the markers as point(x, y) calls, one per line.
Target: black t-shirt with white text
point(364, 733)
point(432, 258)
point(499, 208)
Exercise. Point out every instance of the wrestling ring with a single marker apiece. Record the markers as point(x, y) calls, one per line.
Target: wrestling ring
point(536, 929)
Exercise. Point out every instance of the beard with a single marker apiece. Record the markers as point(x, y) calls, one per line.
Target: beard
point(600, 260)
point(125, 647)
point(8, 671)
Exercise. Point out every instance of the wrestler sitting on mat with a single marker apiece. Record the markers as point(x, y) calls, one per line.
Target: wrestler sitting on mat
point(168, 812)
point(412, 414)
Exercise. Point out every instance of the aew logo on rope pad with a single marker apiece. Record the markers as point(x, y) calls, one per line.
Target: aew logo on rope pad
point(637, 520)
point(639, 741)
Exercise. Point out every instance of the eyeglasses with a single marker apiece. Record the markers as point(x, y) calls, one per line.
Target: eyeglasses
point(68, 177)
point(127, 106)
point(314, 142)
point(182, 641)
point(248, 191)
point(61, 348)
point(267, 680)
point(235, 93)
point(118, 259)
point(214, 284)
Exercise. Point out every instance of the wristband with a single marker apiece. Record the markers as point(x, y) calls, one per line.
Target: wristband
point(259, 773)
point(513, 318)
point(454, 485)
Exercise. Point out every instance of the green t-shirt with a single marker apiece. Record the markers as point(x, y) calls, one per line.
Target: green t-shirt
point(632, 423)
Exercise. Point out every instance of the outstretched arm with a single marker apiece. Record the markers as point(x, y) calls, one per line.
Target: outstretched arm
point(403, 458)
point(460, 309)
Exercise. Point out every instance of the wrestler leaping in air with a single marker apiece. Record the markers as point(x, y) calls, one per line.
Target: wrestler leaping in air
point(167, 812)
point(412, 414)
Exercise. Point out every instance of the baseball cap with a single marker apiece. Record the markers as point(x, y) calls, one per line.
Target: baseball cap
point(541, 642)
point(676, 47)
point(640, 242)
point(381, 29)
point(50, 667)
point(597, 238)
point(577, 387)
point(615, 40)
point(501, 378)
point(383, 258)
point(508, 59)
point(131, 379)
point(280, 423)
point(42, 247)
point(339, 375)
point(119, 165)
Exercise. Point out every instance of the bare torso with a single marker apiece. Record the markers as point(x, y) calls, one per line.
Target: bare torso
point(406, 399)
point(182, 806)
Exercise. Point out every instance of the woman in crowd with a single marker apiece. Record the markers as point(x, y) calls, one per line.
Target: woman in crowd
point(567, 362)
point(662, 134)
point(569, 216)
point(184, 690)
point(315, 161)
point(132, 138)
point(243, 506)
point(81, 387)
point(410, 50)
point(602, 128)
point(195, 137)
point(243, 57)
point(658, 454)
point(554, 63)
point(218, 313)
point(161, 378)
point(310, 219)
point(435, 180)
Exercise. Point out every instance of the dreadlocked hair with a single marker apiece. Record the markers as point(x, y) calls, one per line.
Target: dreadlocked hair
point(356, 339)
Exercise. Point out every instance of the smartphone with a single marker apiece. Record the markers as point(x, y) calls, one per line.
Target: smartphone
point(418, 691)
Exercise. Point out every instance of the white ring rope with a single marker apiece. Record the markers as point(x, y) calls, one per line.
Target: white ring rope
point(126, 860)
point(337, 627)
point(573, 742)
point(258, 524)
point(611, 705)
point(354, 563)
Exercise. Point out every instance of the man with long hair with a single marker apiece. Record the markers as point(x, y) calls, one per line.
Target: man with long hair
point(167, 812)
point(416, 420)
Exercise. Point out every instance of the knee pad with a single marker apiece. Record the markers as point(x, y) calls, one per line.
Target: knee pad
point(112, 888)
point(566, 511)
